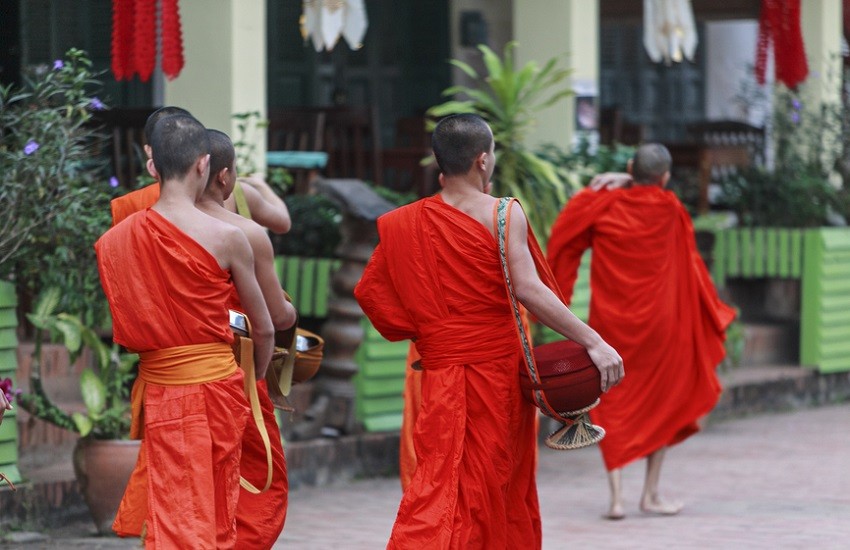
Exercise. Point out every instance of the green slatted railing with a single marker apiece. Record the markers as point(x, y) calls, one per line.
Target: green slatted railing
point(825, 316)
point(8, 368)
point(307, 280)
point(757, 252)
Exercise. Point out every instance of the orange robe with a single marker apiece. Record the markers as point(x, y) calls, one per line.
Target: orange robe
point(166, 292)
point(652, 300)
point(259, 517)
point(134, 201)
point(435, 277)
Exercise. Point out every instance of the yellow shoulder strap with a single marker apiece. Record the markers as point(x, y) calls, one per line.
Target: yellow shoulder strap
point(241, 204)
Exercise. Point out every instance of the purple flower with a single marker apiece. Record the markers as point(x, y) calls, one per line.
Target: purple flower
point(31, 147)
point(796, 104)
point(795, 118)
point(97, 104)
point(113, 182)
point(6, 388)
point(58, 64)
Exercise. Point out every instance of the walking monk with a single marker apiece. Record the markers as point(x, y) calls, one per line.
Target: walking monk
point(168, 272)
point(436, 278)
point(259, 517)
point(652, 298)
point(251, 197)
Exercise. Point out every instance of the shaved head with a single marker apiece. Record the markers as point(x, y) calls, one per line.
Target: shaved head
point(650, 163)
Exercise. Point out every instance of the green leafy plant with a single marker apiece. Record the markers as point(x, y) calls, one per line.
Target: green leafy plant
point(105, 389)
point(808, 178)
point(56, 189)
point(509, 98)
point(248, 125)
point(584, 161)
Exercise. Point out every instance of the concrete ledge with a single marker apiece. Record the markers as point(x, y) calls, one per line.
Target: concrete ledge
point(751, 390)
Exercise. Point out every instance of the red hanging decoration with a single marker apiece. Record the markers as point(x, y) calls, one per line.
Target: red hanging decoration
point(779, 26)
point(172, 39)
point(122, 33)
point(134, 39)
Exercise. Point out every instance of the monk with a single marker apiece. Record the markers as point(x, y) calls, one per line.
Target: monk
point(168, 272)
point(252, 197)
point(436, 278)
point(652, 298)
point(259, 517)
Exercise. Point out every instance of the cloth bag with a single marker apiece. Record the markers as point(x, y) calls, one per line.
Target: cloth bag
point(554, 377)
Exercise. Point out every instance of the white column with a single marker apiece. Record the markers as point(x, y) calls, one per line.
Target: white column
point(821, 23)
point(224, 46)
point(568, 29)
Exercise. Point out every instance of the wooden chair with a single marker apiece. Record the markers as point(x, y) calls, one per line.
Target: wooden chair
point(126, 138)
point(297, 130)
point(729, 133)
point(402, 164)
point(353, 143)
point(725, 146)
point(613, 128)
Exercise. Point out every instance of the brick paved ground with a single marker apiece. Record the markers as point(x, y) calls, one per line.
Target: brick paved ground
point(764, 482)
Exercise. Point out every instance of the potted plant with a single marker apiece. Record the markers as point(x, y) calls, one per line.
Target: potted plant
point(509, 98)
point(103, 456)
point(55, 195)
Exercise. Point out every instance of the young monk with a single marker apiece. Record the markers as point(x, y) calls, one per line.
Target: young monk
point(259, 517)
point(651, 296)
point(256, 199)
point(168, 272)
point(436, 278)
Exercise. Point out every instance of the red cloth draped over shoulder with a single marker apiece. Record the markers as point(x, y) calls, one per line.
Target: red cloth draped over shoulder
point(652, 300)
point(435, 277)
point(167, 292)
point(125, 205)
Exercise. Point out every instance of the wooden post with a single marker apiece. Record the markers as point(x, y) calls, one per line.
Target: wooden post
point(333, 411)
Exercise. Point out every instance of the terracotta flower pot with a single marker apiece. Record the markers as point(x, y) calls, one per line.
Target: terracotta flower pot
point(103, 468)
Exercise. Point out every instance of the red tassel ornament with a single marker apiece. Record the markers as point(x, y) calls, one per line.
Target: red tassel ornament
point(172, 39)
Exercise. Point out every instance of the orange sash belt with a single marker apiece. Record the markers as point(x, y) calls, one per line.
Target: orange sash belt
point(178, 366)
point(198, 364)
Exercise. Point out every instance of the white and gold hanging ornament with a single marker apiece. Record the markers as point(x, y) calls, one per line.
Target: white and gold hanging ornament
point(669, 33)
point(324, 21)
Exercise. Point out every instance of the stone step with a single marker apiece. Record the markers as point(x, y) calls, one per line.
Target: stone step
point(769, 343)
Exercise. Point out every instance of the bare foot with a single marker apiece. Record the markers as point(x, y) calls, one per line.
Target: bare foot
point(660, 507)
point(615, 512)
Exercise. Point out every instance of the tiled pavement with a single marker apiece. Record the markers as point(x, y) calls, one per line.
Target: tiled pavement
point(773, 481)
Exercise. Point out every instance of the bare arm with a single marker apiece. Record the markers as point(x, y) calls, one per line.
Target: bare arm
point(611, 181)
point(267, 209)
point(545, 305)
point(281, 311)
point(242, 270)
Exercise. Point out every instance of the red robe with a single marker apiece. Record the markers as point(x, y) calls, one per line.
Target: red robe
point(652, 300)
point(166, 292)
point(412, 401)
point(436, 277)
